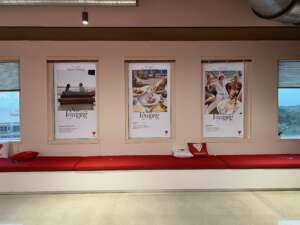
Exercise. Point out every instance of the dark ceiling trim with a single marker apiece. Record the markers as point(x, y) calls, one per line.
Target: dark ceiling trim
point(149, 33)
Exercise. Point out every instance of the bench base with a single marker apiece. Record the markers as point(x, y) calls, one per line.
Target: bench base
point(149, 180)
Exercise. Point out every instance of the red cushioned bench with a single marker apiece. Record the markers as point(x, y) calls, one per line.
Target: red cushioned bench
point(275, 161)
point(155, 162)
point(40, 164)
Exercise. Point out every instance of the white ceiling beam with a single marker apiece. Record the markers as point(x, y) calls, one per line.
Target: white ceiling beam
point(68, 3)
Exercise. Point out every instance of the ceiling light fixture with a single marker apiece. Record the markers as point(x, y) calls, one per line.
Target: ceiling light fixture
point(85, 17)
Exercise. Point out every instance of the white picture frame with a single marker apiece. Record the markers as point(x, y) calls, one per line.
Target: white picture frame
point(73, 101)
point(223, 100)
point(149, 100)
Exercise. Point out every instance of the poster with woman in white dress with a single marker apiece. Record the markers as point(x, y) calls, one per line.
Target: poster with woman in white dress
point(223, 103)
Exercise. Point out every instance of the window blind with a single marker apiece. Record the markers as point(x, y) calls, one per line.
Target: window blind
point(289, 74)
point(9, 76)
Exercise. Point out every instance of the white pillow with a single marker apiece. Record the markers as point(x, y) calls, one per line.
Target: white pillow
point(4, 148)
point(182, 153)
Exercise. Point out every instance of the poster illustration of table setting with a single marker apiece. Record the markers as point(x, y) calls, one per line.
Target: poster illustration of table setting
point(223, 99)
point(149, 100)
point(75, 100)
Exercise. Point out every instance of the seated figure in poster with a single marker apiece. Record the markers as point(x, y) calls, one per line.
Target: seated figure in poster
point(234, 86)
point(81, 88)
point(220, 88)
point(210, 90)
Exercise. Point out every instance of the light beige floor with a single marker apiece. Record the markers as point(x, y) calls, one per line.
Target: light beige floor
point(167, 208)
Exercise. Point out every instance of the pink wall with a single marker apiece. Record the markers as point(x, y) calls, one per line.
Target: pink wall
point(150, 13)
point(188, 55)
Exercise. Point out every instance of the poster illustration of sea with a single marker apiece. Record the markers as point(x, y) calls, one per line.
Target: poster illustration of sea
point(223, 103)
point(75, 100)
point(149, 100)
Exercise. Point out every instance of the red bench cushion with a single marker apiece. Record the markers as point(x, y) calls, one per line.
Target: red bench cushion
point(261, 161)
point(40, 164)
point(24, 156)
point(148, 163)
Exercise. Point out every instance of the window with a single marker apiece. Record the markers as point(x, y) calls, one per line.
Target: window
point(9, 102)
point(289, 99)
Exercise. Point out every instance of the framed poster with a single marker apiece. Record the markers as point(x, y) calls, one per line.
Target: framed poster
point(74, 100)
point(149, 100)
point(223, 99)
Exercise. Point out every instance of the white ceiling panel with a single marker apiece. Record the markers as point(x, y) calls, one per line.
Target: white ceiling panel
point(68, 2)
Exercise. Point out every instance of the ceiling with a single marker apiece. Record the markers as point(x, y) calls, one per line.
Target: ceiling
point(149, 13)
point(152, 20)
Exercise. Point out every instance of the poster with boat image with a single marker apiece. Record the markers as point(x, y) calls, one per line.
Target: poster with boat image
point(149, 100)
point(75, 100)
point(223, 100)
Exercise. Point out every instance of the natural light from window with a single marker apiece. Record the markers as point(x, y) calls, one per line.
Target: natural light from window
point(289, 222)
point(10, 118)
point(9, 102)
point(289, 100)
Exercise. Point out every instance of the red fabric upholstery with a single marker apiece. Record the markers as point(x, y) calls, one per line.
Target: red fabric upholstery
point(24, 156)
point(261, 161)
point(39, 164)
point(148, 163)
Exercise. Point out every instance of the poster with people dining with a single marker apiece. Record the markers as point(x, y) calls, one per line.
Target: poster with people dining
point(75, 100)
point(149, 100)
point(223, 103)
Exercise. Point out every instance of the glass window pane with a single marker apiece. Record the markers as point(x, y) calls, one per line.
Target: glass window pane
point(9, 116)
point(9, 76)
point(289, 73)
point(289, 113)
